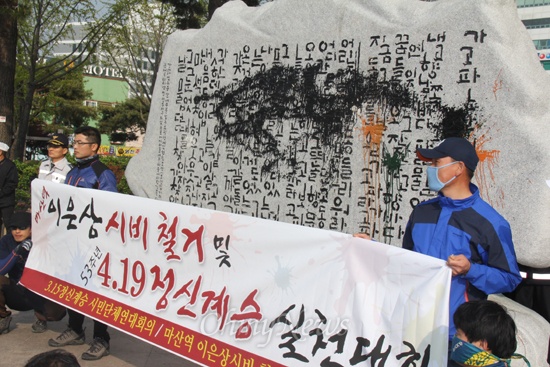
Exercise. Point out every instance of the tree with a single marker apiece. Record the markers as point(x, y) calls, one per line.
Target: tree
point(8, 42)
point(43, 25)
point(215, 4)
point(135, 44)
point(125, 120)
point(189, 13)
point(60, 105)
point(196, 13)
point(134, 47)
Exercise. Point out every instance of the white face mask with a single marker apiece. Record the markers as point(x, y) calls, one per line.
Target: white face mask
point(434, 183)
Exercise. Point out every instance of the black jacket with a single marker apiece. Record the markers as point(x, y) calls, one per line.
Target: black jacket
point(8, 182)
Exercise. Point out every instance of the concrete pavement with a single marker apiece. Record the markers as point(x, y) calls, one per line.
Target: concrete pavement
point(21, 343)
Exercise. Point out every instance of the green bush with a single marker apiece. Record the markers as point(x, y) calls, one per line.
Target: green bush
point(28, 171)
point(118, 166)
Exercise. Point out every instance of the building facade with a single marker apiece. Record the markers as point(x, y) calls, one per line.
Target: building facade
point(535, 15)
point(107, 85)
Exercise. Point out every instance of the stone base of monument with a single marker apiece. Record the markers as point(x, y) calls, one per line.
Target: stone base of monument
point(533, 332)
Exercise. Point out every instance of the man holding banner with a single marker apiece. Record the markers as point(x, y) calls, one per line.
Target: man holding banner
point(54, 169)
point(460, 227)
point(14, 250)
point(89, 173)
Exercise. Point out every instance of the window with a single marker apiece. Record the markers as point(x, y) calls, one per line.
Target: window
point(78, 47)
point(90, 103)
point(542, 44)
point(537, 23)
point(529, 3)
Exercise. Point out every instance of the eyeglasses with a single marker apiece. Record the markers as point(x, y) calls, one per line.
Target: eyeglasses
point(52, 146)
point(75, 143)
point(21, 228)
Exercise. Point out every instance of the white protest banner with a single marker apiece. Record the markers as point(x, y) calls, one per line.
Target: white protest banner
point(230, 290)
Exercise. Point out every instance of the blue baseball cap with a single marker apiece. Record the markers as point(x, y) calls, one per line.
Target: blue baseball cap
point(458, 149)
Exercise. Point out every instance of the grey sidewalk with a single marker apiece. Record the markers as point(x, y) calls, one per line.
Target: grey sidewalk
point(21, 343)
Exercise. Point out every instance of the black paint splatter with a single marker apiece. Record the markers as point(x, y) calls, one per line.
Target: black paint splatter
point(251, 111)
point(456, 121)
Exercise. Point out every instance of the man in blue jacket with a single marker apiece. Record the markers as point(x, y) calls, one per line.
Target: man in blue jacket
point(90, 173)
point(14, 250)
point(461, 228)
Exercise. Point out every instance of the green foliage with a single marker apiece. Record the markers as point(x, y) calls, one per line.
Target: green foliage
point(189, 13)
point(136, 43)
point(42, 25)
point(118, 166)
point(28, 171)
point(129, 117)
point(60, 104)
point(196, 13)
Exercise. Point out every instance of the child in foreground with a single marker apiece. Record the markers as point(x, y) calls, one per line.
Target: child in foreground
point(485, 335)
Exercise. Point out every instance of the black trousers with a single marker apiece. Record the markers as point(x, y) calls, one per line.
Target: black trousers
point(5, 216)
point(76, 320)
point(19, 298)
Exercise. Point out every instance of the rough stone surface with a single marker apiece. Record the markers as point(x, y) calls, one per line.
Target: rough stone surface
point(309, 112)
point(533, 332)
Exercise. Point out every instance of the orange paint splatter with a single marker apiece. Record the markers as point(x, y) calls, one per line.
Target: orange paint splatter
point(498, 84)
point(373, 130)
point(484, 173)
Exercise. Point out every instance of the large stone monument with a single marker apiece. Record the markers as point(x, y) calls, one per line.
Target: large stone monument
point(310, 111)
